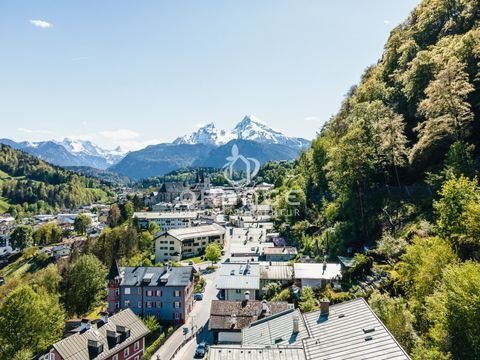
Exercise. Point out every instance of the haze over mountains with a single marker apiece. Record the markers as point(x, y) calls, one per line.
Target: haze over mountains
point(207, 147)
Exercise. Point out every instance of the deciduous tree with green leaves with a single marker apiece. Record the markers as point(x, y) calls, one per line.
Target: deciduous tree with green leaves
point(84, 285)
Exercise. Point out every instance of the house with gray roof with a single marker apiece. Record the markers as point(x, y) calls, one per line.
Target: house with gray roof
point(164, 292)
point(120, 336)
point(228, 318)
point(348, 330)
point(238, 281)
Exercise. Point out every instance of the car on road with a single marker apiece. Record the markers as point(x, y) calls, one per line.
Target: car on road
point(198, 296)
point(201, 350)
point(190, 263)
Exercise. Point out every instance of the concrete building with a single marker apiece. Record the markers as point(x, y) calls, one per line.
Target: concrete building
point(177, 244)
point(164, 292)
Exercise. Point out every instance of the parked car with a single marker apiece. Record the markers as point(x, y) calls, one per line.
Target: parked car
point(198, 296)
point(201, 350)
point(190, 263)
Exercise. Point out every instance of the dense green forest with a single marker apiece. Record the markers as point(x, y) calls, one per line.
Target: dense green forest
point(29, 185)
point(393, 175)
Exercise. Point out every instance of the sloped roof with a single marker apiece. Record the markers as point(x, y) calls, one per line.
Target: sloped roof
point(75, 347)
point(350, 331)
point(276, 330)
point(226, 352)
point(156, 275)
point(245, 312)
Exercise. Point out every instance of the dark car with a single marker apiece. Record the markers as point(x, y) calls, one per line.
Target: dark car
point(201, 350)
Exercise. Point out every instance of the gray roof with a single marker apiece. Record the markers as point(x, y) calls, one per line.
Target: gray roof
point(276, 272)
point(239, 276)
point(156, 275)
point(276, 330)
point(194, 232)
point(75, 347)
point(350, 331)
point(225, 352)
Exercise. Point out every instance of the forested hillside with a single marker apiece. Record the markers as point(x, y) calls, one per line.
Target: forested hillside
point(395, 171)
point(30, 185)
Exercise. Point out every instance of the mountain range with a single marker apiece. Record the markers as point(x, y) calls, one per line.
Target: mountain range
point(69, 152)
point(207, 146)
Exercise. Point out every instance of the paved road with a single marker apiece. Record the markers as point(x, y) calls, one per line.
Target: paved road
point(198, 317)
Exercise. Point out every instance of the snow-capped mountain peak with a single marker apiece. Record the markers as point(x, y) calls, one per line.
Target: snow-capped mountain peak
point(249, 128)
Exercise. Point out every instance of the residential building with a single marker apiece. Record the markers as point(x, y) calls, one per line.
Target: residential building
point(280, 272)
point(228, 318)
point(348, 330)
point(238, 281)
point(165, 220)
point(118, 337)
point(316, 274)
point(177, 244)
point(59, 251)
point(284, 253)
point(5, 246)
point(164, 292)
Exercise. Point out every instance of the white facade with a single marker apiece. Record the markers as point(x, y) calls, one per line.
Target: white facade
point(166, 220)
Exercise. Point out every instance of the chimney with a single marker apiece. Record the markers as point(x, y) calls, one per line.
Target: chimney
point(233, 321)
point(104, 317)
point(265, 309)
point(84, 325)
point(324, 307)
point(247, 295)
point(296, 324)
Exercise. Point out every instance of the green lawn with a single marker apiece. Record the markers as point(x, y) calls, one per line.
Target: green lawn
point(195, 260)
point(20, 267)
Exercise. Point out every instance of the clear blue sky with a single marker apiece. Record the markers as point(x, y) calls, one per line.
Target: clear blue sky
point(136, 72)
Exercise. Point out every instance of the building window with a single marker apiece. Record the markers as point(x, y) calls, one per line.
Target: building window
point(136, 346)
point(115, 357)
point(149, 292)
point(158, 304)
point(117, 291)
point(126, 352)
point(137, 357)
point(139, 291)
point(149, 304)
point(139, 304)
point(177, 304)
point(159, 292)
point(177, 293)
point(127, 303)
point(172, 242)
point(178, 316)
point(117, 305)
point(238, 291)
point(127, 291)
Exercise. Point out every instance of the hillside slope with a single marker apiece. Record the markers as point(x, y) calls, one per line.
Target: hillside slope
point(31, 185)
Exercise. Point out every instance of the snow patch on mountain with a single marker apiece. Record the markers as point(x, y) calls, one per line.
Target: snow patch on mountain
point(250, 128)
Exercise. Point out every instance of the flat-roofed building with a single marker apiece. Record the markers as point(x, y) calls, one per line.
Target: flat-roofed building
point(166, 220)
point(177, 244)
